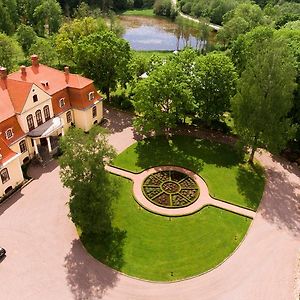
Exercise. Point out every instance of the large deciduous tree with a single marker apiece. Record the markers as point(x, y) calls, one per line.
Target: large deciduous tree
point(26, 36)
point(103, 57)
point(264, 98)
point(162, 99)
point(83, 172)
point(10, 52)
point(48, 17)
point(214, 86)
point(70, 34)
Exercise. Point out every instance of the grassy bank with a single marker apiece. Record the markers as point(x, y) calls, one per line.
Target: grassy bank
point(147, 12)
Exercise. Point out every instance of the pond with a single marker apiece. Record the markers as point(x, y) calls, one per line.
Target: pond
point(154, 33)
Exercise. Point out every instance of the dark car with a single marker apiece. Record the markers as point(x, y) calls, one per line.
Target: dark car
point(2, 252)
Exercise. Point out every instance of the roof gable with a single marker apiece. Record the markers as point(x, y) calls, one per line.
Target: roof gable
point(18, 92)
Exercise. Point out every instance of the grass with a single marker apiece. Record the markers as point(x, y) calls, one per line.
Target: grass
point(147, 12)
point(228, 177)
point(148, 54)
point(149, 246)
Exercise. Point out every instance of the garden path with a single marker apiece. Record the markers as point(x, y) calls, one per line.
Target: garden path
point(211, 25)
point(203, 200)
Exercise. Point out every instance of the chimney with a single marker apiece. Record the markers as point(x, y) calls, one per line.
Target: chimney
point(67, 70)
point(34, 60)
point(67, 73)
point(23, 70)
point(3, 73)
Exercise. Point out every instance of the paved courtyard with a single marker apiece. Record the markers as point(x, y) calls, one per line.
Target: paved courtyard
point(45, 259)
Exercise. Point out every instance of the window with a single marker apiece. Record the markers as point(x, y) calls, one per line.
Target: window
point(69, 117)
point(30, 122)
point(4, 175)
point(94, 111)
point(9, 134)
point(22, 146)
point(46, 112)
point(35, 98)
point(39, 118)
point(91, 96)
point(62, 102)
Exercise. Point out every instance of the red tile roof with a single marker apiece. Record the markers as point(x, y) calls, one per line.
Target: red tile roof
point(6, 107)
point(57, 80)
point(18, 92)
point(12, 123)
point(5, 152)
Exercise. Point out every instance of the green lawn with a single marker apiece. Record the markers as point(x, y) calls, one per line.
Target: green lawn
point(148, 54)
point(228, 177)
point(139, 12)
point(149, 246)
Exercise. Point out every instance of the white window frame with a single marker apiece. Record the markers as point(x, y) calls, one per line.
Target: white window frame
point(91, 96)
point(6, 133)
point(62, 102)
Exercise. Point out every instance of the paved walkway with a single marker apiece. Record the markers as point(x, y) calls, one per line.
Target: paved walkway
point(45, 260)
point(203, 200)
point(181, 14)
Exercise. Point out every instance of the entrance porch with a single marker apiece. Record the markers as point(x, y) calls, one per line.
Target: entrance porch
point(45, 138)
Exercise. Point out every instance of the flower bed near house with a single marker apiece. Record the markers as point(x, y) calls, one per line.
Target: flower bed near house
point(171, 189)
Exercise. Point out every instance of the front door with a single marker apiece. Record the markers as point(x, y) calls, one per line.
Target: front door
point(43, 142)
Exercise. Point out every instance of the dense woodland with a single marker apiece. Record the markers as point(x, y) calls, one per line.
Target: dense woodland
point(257, 42)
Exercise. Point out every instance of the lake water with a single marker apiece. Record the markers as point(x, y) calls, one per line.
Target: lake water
point(147, 33)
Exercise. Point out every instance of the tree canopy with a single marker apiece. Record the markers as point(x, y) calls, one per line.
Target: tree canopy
point(83, 172)
point(264, 97)
point(103, 57)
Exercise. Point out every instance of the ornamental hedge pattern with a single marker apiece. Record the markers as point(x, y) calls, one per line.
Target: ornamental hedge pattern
point(171, 189)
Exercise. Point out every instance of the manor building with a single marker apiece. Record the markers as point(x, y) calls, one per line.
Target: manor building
point(37, 105)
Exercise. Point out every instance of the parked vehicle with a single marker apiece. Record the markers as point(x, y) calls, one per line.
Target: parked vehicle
point(2, 252)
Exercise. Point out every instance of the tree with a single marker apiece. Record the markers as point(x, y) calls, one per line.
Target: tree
point(82, 170)
point(9, 16)
point(45, 50)
point(72, 32)
point(264, 98)
point(214, 85)
point(162, 99)
point(48, 17)
point(103, 57)
point(242, 19)
point(26, 36)
point(10, 52)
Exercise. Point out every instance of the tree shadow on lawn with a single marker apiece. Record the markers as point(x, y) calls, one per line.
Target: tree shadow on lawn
point(87, 277)
point(185, 151)
point(251, 182)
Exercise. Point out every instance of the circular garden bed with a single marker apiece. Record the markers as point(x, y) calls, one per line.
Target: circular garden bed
point(170, 189)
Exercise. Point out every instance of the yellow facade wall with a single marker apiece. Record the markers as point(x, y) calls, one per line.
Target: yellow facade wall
point(15, 174)
point(84, 118)
point(31, 107)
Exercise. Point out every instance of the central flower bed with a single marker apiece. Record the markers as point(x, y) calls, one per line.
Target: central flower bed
point(171, 189)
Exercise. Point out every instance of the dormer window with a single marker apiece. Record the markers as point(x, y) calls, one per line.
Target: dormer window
point(45, 83)
point(9, 134)
point(91, 96)
point(62, 102)
point(35, 98)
